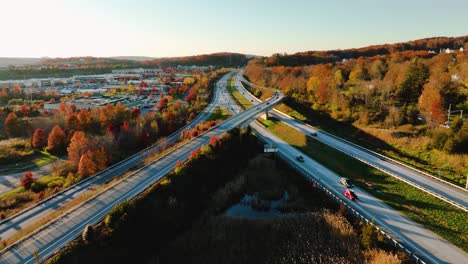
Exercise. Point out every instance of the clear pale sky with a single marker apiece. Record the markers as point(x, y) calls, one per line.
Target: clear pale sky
point(64, 28)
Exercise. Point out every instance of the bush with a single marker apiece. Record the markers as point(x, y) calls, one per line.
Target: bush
point(117, 215)
point(369, 236)
point(27, 181)
point(37, 187)
point(88, 234)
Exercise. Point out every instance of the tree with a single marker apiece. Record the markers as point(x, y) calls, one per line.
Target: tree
point(322, 93)
point(86, 166)
point(99, 157)
point(411, 88)
point(88, 234)
point(312, 84)
point(78, 146)
point(27, 180)
point(39, 139)
point(73, 122)
point(12, 125)
point(56, 140)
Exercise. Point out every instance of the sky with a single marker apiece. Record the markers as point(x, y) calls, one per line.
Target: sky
point(157, 28)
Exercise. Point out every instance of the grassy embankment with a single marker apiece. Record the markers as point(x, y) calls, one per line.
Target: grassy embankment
point(438, 216)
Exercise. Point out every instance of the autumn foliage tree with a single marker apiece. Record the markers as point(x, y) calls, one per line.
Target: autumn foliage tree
point(39, 139)
point(56, 140)
point(92, 161)
point(12, 125)
point(86, 166)
point(27, 180)
point(78, 146)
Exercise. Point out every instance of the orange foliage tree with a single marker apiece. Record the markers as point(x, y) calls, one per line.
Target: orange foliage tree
point(39, 139)
point(56, 140)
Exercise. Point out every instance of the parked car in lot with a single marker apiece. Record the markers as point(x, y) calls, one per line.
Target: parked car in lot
point(350, 194)
point(300, 158)
point(346, 182)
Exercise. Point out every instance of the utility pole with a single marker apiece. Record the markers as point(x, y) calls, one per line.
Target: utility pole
point(448, 116)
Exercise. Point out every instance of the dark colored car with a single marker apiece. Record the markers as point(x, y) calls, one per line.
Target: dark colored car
point(300, 158)
point(350, 194)
point(314, 134)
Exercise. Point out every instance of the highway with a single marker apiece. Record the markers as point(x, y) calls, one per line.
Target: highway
point(423, 243)
point(57, 233)
point(455, 195)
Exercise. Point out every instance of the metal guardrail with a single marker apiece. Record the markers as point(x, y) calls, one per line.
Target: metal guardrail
point(312, 178)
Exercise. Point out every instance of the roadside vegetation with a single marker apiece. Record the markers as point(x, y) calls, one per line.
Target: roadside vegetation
point(447, 221)
point(393, 99)
point(177, 228)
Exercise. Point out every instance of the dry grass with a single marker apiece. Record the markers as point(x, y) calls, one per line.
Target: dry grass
point(378, 256)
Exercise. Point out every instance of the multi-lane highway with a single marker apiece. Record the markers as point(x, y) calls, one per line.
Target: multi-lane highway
point(53, 236)
point(422, 242)
point(447, 192)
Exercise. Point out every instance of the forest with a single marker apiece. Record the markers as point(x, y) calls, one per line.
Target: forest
point(399, 94)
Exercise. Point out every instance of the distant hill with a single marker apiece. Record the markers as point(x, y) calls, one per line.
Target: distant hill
point(4, 62)
point(224, 59)
point(421, 47)
point(133, 58)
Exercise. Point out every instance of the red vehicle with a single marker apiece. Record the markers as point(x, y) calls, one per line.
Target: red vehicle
point(350, 194)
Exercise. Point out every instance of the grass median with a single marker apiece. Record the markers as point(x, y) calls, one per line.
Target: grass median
point(238, 97)
point(440, 217)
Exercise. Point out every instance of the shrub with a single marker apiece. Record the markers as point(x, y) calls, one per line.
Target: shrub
point(27, 180)
point(88, 234)
point(37, 187)
point(369, 237)
point(117, 215)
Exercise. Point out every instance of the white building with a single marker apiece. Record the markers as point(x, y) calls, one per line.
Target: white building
point(138, 71)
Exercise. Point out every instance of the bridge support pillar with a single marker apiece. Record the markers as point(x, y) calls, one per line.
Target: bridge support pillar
point(266, 114)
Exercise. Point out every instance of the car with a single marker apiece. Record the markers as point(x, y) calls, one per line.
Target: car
point(314, 133)
point(268, 103)
point(300, 158)
point(251, 100)
point(350, 194)
point(346, 182)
